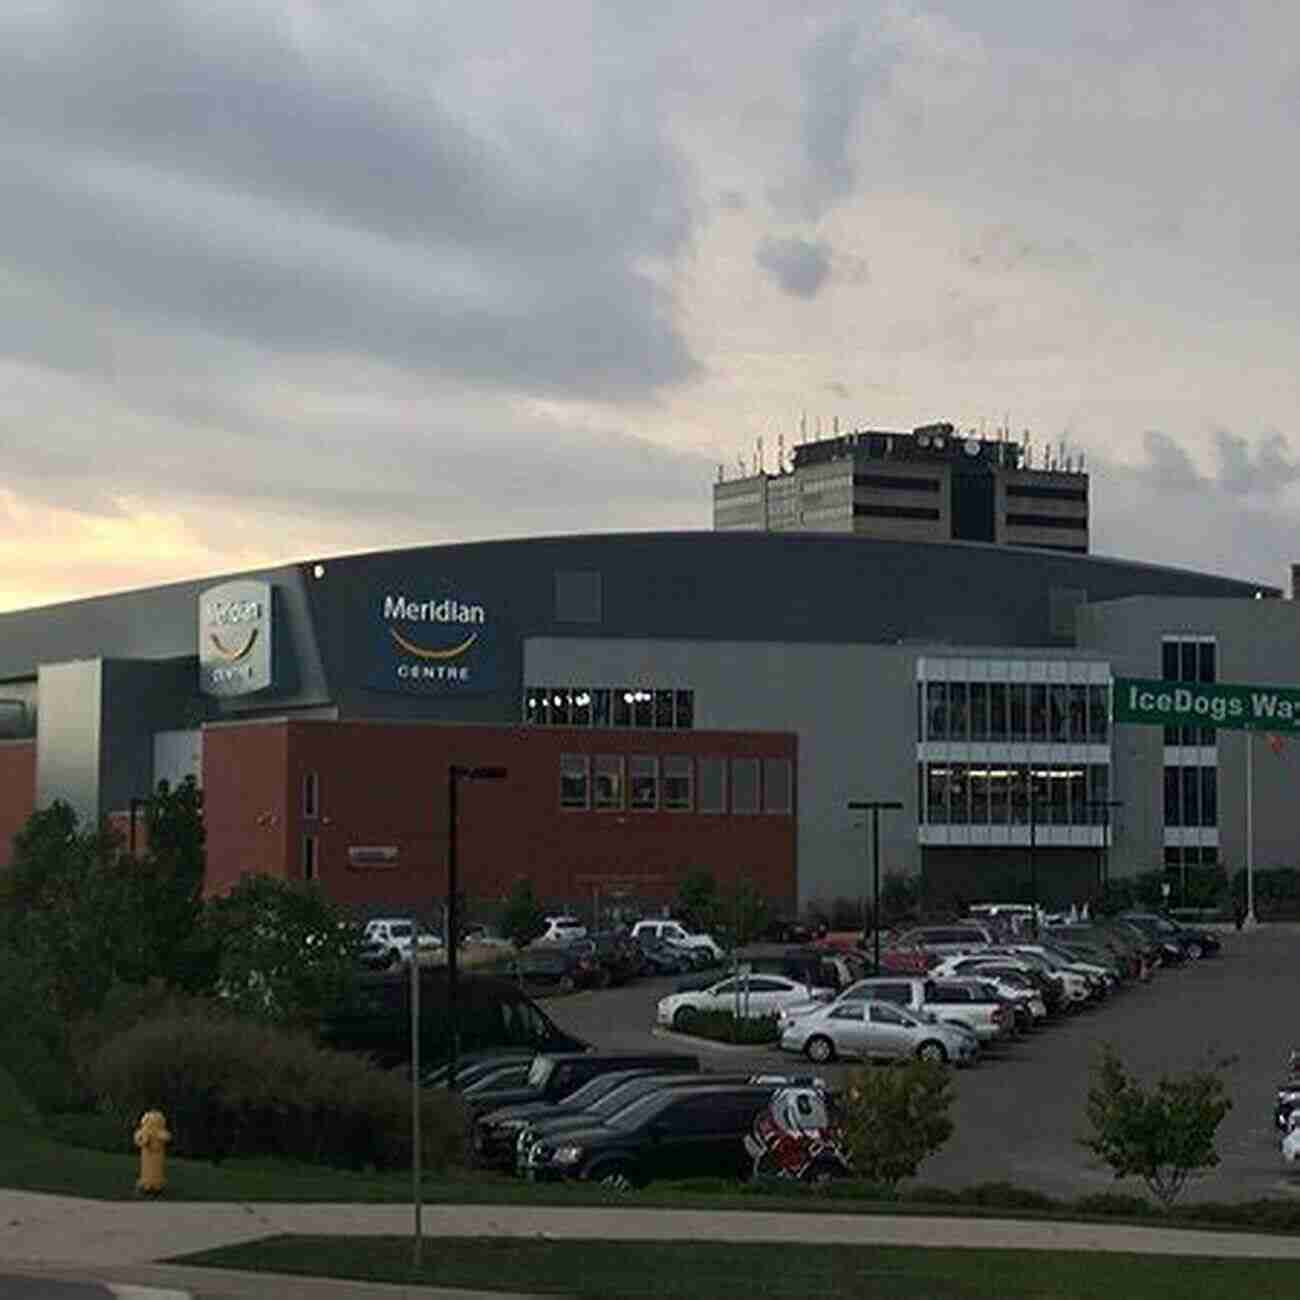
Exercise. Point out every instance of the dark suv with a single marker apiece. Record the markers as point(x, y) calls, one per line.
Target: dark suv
point(677, 1133)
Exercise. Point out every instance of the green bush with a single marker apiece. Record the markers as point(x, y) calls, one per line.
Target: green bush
point(1121, 1204)
point(93, 1131)
point(893, 1119)
point(1006, 1196)
point(15, 1110)
point(726, 1027)
point(231, 1087)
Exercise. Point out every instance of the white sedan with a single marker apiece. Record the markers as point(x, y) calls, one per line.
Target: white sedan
point(875, 1030)
point(750, 995)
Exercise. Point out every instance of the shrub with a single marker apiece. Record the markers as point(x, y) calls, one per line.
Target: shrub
point(1006, 1196)
point(15, 1110)
point(230, 1087)
point(92, 1130)
point(1121, 1204)
point(894, 1118)
point(1162, 1135)
point(727, 1027)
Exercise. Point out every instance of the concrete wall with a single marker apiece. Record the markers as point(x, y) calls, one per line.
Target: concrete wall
point(69, 737)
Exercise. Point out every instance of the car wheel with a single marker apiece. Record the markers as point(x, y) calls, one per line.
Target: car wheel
point(1194, 951)
point(617, 1177)
point(819, 1049)
point(932, 1050)
point(684, 1018)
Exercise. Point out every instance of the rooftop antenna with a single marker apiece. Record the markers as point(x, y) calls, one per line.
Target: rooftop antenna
point(836, 426)
point(780, 452)
point(762, 460)
point(803, 425)
point(1081, 461)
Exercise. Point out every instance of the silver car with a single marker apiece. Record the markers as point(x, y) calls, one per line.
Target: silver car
point(873, 1030)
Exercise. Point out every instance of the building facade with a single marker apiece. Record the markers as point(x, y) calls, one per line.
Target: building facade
point(767, 678)
point(930, 485)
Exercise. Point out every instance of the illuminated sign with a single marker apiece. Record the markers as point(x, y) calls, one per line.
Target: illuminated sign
point(235, 638)
point(433, 644)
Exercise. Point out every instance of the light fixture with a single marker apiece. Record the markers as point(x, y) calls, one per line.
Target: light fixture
point(318, 571)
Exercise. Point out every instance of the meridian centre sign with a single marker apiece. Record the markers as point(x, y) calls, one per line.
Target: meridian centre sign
point(1227, 705)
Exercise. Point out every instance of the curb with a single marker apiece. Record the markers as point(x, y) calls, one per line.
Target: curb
point(122, 1291)
point(672, 1036)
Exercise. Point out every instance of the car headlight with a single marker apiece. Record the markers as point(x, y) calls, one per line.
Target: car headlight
point(569, 1155)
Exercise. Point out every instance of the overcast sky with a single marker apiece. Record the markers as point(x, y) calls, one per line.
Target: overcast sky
point(291, 279)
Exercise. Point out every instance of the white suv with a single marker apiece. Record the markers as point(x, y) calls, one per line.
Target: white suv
point(397, 935)
point(561, 929)
point(675, 933)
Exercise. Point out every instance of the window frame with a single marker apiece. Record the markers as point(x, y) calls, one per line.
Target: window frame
point(579, 763)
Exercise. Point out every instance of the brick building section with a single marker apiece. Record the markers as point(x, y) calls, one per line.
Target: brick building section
point(384, 785)
point(17, 791)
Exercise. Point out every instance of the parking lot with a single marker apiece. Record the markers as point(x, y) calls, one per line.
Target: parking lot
point(1020, 1111)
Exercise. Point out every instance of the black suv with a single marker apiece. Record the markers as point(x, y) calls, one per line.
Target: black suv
point(674, 1133)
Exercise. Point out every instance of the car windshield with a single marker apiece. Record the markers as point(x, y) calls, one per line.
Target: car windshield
point(636, 1114)
point(631, 1092)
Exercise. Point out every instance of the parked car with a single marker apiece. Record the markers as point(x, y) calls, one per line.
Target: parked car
point(484, 936)
point(554, 1076)
point(675, 932)
point(478, 1065)
point(946, 939)
point(398, 935)
point(616, 954)
point(1192, 942)
point(661, 958)
point(874, 1030)
point(555, 968)
point(677, 1133)
point(374, 1018)
point(561, 929)
point(566, 1117)
point(922, 996)
point(374, 954)
point(748, 995)
point(495, 1133)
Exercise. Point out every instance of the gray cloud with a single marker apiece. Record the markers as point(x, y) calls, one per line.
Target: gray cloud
point(1268, 472)
point(177, 163)
point(800, 268)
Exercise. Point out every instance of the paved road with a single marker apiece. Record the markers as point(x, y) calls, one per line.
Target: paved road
point(1018, 1115)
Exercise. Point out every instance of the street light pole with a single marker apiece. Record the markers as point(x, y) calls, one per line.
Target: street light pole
point(875, 807)
point(455, 774)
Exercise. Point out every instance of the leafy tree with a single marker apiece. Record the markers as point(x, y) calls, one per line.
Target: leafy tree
point(698, 902)
point(522, 919)
point(894, 1118)
point(285, 951)
point(750, 913)
point(1162, 1135)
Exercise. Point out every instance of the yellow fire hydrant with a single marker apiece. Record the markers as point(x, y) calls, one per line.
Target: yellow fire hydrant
point(152, 1137)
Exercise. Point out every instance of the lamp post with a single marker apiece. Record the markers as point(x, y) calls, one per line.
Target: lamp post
point(456, 774)
point(875, 807)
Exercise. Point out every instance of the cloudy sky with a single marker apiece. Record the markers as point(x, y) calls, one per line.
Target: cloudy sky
point(303, 277)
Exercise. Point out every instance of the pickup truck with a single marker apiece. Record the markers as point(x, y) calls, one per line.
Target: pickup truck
point(988, 1019)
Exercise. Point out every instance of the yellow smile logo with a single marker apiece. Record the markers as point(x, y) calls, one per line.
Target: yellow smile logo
point(421, 652)
point(232, 655)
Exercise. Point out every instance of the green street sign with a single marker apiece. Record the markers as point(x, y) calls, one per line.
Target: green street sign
point(1227, 705)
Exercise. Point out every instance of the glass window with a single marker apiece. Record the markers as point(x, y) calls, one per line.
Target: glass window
point(713, 784)
point(1205, 662)
point(1169, 660)
point(609, 781)
point(622, 707)
point(979, 795)
point(1019, 790)
point(600, 707)
point(663, 708)
point(957, 717)
point(1173, 788)
point(979, 711)
point(559, 713)
point(1040, 795)
point(1038, 712)
point(643, 708)
point(999, 781)
point(958, 794)
point(1192, 796)
point(310, 794)
point(1077, 796)
point(744, 785)
point(997, 711)
point(679, 793)
point(1209, 796)
point(1058, 697)
point(1079, 714)
point(937, 695)
point(1017, 694)
point(776, 786)
point(937, 794)
point(309, 857)
point(1189, 665)
point(1099, 793)
point(643, 782)
point(1098, 715)
point(581, 707)
point(685, 710)
point(573, 781)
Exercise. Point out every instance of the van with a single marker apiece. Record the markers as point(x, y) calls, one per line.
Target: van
point(375, 1018)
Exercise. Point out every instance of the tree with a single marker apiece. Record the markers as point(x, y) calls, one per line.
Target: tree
point(522, 919)
point(698, 903)
point(894, 1118)
point(1162, 1135)
point(285, 951)
point(750, 913)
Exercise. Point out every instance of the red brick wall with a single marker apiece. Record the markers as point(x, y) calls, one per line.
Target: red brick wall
point(17, 791)
point(382, 784)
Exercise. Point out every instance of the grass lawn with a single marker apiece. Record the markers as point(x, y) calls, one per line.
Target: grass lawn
point(681, 1270)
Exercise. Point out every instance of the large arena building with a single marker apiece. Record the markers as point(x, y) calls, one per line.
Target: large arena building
point(662, 702)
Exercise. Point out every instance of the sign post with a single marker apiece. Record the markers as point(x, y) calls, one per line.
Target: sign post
point(1226, 706)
